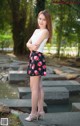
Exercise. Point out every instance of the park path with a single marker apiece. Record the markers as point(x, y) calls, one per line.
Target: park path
point(61, 86)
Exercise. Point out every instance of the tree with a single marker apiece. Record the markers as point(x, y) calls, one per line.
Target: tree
point(65, 24)
point(18, 11)
point(40, 5)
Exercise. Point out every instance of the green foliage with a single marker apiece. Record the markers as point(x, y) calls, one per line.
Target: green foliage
point(48, 47)
point(65, 24)
point(40, 5)
point(5, 40)
point(20, 17)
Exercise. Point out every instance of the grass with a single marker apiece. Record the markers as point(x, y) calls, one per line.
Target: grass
point(13, 120)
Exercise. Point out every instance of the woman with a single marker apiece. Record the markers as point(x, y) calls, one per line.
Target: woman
point(37, 63)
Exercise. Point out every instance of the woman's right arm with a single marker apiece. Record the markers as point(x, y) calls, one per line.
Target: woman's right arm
point(30, 45)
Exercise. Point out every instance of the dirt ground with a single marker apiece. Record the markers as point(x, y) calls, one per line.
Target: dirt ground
point(51, 60)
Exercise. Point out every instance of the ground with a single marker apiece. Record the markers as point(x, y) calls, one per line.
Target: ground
point(51, 60)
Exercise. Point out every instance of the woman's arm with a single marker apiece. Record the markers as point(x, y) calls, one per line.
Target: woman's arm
point(29, 43)
point(44, 35)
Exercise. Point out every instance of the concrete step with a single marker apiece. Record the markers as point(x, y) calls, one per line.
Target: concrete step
point(72, 86)
point(20, 104)
point(67, 69)
point(53, 77)
point(76, 106)
point(54, 119)
point(17, 76)
point(21, 75)
point(52, 94)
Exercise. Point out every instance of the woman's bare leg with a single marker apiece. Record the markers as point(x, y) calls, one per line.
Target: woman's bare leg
point(34, 85)
point(41, 97)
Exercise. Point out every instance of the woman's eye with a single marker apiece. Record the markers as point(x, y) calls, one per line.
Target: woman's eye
point(42, 19)
point(39, 18)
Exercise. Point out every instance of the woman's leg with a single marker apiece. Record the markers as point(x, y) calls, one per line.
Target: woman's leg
point(34, 85)
point(41, 97)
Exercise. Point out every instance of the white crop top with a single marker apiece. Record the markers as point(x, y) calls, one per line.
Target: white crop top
point(35, 37)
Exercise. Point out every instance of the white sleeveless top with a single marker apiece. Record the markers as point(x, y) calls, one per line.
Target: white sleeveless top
point(35, 37)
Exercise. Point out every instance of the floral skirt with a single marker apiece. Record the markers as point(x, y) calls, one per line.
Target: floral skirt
point(37, 64)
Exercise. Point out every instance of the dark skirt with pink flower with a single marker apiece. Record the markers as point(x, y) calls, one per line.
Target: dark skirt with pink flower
point(37, 64)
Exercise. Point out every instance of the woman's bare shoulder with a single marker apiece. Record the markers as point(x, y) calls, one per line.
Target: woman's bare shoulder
point(35, 31)
point(46, 32)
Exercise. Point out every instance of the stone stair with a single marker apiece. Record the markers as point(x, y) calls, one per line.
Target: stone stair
point(54, 77)
point(20, 104)
point(71, 85)
point(52, 94)
point(56, 90)
point(54, 119)
point(21, 75)
point(76, 106)
point(17, 76)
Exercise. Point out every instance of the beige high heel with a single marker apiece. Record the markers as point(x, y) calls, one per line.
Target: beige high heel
point(41, 115)
point(32, 117)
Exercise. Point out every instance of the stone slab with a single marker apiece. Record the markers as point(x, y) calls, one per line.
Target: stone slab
point(53, 77)
point(67, 69)
point(14, 66)
point(52, 94)
point(3, 60)
point(5, 65)
point(72, 86)
point(54, 119)
point(50, 70)
point(21, 104)
point(76, 107)
point(68, 125)
point(18, 62)
point(17, 76)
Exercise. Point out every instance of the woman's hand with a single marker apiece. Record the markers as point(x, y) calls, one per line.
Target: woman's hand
point(32, 46)
point(29, 46)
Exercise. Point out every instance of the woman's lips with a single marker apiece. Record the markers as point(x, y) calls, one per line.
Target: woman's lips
point(40, 24)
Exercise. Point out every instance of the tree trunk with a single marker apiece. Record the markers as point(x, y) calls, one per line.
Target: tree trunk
point(78, 44)
point(59, 32)
point(59, 38)
point(18, 25)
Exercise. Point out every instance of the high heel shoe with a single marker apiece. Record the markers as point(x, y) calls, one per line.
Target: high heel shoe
point(32, 117)
point(41, 115)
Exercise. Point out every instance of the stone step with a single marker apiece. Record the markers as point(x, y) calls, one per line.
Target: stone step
point(21, 104)
point(21, 75)
point(53, 77)
point(17, 76)
point(50, 70)
point(72, 86)
point(54, 119)
point(52, 94)
point(76, 106)
point(67, 69)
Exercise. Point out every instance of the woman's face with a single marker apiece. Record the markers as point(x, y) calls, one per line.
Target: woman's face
point(42, 21)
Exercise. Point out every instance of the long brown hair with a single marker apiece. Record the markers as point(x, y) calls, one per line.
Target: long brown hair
point(49, 23)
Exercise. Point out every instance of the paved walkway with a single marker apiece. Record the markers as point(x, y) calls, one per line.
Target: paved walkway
point(54, 85)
